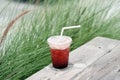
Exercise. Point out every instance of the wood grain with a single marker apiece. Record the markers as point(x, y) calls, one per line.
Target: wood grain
point(105, 68)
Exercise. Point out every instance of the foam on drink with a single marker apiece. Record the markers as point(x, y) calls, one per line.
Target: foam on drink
point(59, 42)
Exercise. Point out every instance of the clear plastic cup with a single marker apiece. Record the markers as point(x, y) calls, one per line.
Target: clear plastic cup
point(59, 48)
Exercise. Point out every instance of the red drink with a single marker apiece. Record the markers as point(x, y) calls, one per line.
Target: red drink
point(60, 58)
point(59, 50)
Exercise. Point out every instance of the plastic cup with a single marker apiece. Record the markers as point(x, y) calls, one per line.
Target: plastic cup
point(59, 48)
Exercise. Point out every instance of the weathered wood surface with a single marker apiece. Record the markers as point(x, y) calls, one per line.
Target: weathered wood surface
point(105, 68)
point(85, 63)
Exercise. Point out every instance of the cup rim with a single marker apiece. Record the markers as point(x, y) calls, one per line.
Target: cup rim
point(50, 42)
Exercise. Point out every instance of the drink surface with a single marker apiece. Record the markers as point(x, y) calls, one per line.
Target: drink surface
point(60, 58)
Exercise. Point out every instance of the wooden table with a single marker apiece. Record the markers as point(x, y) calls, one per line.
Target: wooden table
point(99, 59)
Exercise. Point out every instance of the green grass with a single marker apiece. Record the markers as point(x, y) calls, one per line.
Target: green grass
point(25, 50)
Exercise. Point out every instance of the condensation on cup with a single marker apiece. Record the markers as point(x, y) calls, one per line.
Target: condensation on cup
point(59, 48)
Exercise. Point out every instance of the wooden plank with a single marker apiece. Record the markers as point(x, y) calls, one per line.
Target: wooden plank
point(113, 75)
point(79, 60)
point(106, 68)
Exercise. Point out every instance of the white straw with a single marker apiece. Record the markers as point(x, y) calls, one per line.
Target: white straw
point(70, 27)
